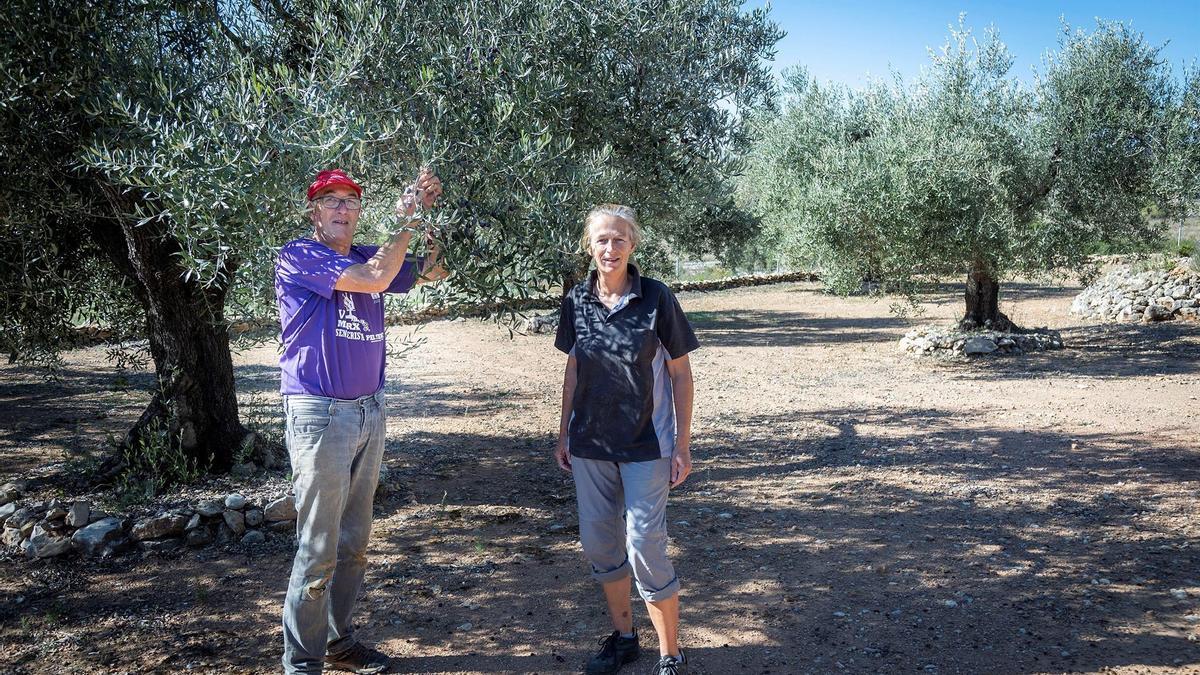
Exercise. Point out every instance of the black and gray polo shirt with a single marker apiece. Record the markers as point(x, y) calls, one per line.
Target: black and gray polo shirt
point(623, 410)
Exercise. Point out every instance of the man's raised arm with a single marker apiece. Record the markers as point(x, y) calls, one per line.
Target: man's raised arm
point(376, 274)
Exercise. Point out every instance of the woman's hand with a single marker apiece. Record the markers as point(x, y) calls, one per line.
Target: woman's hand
point(563, 457)
point(681, 465)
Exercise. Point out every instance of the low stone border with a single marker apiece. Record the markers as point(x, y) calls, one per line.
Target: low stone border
point(743, 281)
point(549, 322)
point(48, 529)
point(955, 343)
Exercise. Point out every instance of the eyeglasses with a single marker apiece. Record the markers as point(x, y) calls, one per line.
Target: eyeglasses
point(334, 203)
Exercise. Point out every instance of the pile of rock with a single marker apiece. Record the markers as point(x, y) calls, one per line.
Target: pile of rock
point(952, 342)
point(1124, 294)
point(52, 528)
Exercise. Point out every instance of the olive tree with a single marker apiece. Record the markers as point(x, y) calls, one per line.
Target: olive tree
point(967, 170)
point(154, 155)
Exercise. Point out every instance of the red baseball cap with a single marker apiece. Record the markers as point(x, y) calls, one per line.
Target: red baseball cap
point(332, 178)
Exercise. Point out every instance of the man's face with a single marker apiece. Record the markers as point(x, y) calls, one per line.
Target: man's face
point(610, 242)
point(335, 224)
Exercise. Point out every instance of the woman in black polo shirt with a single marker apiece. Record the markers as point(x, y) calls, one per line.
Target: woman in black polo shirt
point(625, 430)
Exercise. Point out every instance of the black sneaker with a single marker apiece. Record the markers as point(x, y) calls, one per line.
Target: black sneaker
point(360, 659)
point(615, 651)
point(670, 665)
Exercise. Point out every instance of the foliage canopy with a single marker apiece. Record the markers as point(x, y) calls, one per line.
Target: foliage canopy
point(154, 153)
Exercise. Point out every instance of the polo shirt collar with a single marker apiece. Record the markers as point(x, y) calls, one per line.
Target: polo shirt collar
point(635, 284)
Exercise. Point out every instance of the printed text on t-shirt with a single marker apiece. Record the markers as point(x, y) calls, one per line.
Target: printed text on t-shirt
point(350, 326)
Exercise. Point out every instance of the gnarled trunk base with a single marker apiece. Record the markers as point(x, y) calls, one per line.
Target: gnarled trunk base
point(983, 303)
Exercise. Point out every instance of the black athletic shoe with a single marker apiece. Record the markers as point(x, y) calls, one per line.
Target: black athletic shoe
point(670, 665)
point(615, 651)
point(359, 658)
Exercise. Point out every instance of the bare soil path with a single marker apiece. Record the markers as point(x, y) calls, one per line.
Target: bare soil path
point(853, 510)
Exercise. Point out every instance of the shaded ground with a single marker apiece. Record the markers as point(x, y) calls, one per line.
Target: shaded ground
point(853, 511)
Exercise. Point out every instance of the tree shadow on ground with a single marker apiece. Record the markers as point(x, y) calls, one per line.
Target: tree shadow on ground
point(71, 417)
point(819, 552)
point(948, 444)
point(885, 539)
point(1013, 568)
point(70, 422)
point(34, 405)
point(1109, 350)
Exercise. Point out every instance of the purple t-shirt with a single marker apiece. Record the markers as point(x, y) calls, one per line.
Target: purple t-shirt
point(333, 341)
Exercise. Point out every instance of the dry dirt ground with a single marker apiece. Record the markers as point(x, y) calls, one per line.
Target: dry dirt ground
point(852, 510)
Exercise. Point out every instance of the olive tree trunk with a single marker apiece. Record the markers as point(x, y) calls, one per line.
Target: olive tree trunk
point(983, 301)
point(195, 401)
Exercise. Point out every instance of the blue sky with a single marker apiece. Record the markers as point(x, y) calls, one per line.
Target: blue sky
point(845, 41)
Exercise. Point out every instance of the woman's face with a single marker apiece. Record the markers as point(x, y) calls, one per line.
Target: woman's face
point(611, 243)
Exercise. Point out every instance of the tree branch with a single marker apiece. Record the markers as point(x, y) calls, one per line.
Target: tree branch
point(287, 16)
point(237, 41)
point(1044, 186)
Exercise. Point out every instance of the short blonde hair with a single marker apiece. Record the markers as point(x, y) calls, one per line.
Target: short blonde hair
point(625, 213)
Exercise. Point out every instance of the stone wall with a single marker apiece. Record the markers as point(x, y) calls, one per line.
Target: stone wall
point(1126, 293)
point(47, 529)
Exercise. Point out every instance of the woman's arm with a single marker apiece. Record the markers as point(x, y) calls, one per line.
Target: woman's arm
point(682, 391)
point(561, 453)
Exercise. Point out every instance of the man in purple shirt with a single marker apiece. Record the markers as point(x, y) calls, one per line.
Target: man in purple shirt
point(331, 311)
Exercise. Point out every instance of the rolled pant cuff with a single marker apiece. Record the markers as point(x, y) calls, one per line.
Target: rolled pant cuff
point(664, 593)
point(616, 574)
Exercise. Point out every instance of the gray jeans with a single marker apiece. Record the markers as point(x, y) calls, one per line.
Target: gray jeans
point(623, 522)
point(335, 447)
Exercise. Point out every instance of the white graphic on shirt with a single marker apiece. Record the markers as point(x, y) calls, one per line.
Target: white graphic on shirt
point(348, 311)
point(350, 326)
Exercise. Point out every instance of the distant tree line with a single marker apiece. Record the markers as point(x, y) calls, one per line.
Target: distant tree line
point(967, 170)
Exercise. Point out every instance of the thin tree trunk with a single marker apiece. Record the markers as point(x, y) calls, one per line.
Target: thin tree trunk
point(983, 301)
point(573, 270)
point(568, 282)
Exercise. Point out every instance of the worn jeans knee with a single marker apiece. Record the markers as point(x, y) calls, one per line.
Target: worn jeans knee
point(314, 586)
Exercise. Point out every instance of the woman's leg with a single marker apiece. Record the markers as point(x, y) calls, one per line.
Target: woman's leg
point(664, 614)
point(620, 607)
point(601, 502)
point(646, 486)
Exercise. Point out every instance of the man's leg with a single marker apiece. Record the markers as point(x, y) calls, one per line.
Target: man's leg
point(356, 527)
point(320, 445)
point(646, 487)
